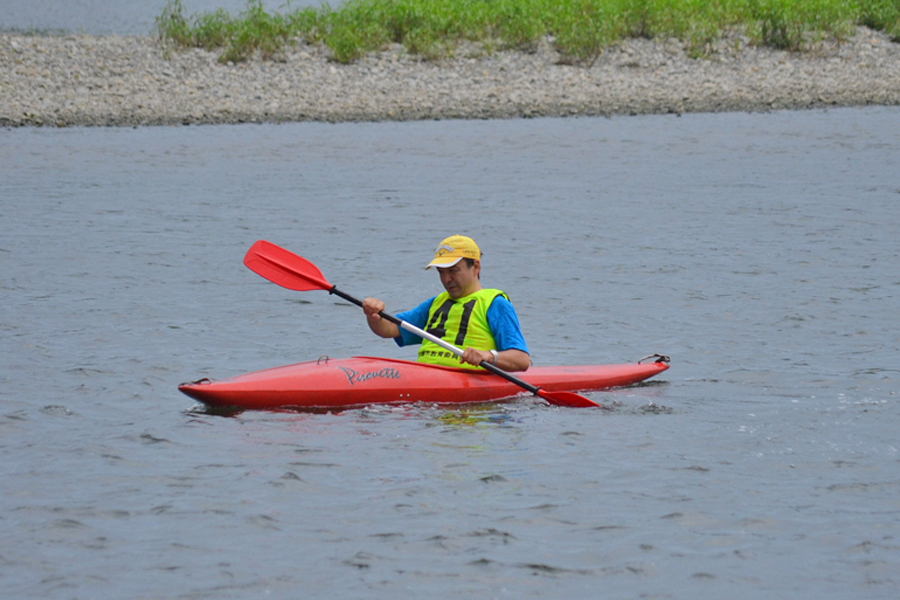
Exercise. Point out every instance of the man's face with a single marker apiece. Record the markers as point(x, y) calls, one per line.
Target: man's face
point(460, 280)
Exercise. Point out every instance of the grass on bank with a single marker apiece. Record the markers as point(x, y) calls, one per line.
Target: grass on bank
point(579, 29)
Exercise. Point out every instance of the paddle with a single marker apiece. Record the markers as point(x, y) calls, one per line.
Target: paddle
point(296, 273)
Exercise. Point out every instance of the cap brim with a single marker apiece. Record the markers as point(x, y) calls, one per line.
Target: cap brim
point(444, 263)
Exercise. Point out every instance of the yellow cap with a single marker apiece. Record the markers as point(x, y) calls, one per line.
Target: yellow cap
point(454, 249)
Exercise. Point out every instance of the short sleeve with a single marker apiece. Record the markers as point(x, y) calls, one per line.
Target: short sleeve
point(418, 317)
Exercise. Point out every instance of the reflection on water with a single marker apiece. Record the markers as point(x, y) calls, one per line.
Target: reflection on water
point(759, 251)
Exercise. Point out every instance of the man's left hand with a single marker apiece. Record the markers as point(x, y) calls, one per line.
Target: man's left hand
point(474, 357)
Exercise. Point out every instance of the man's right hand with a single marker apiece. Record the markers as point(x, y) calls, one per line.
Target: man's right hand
point(381, 327)
point(372, 306)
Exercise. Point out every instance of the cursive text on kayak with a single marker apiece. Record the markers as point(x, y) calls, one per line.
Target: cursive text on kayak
point(357, 377)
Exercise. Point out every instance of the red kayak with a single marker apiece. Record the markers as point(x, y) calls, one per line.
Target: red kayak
point(361, 381)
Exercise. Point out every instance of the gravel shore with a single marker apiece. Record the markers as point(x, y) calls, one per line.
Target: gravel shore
point(113, 80)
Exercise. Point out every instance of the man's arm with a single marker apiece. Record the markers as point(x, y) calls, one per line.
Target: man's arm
point(512, 354)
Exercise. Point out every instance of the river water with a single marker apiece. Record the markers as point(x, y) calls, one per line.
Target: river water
point(760, 251)
point(122, 17)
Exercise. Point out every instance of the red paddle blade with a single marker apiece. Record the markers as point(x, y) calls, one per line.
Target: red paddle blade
point(570, 399)
point(284, 268)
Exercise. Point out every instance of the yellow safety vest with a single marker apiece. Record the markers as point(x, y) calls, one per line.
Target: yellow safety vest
point(462, 322)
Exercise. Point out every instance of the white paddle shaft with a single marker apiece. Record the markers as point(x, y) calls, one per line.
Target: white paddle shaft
point(432, 338)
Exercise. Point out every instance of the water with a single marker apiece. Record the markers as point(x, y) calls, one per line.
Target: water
point(760, 251)
point(122, 17)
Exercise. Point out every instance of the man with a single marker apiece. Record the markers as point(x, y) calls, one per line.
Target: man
point(482, 321)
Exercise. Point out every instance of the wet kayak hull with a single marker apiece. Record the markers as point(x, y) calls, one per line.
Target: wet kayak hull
point(362, 381)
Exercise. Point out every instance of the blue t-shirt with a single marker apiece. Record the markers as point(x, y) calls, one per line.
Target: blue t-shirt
point(501, 316)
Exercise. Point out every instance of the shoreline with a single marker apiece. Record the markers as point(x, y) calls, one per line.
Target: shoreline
point(81, 80)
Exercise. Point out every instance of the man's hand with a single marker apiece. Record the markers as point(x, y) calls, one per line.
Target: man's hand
point(472, 356)
point(372, 306)
point(508, 360)
point(381, 327)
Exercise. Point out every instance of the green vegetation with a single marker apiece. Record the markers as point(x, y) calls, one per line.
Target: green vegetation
point(580, 29)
